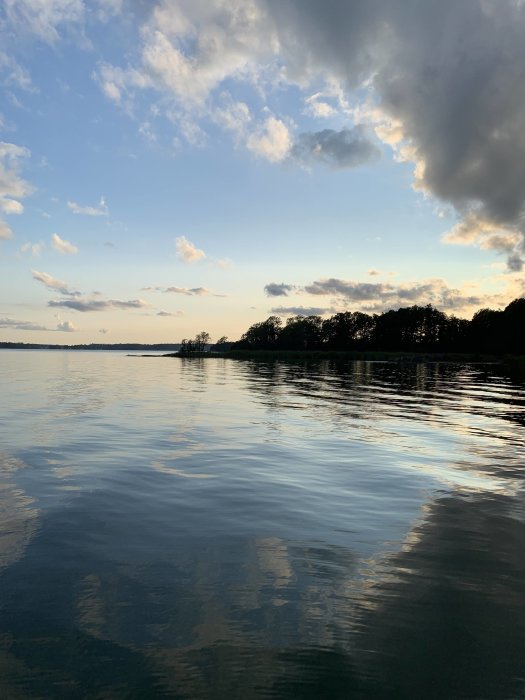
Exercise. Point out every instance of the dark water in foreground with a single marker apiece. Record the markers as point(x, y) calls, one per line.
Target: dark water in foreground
point(217, 529)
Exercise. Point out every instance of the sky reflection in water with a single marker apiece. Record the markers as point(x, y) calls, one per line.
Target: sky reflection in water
point(221, 529)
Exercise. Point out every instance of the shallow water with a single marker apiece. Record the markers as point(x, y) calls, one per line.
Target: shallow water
point(220, 529)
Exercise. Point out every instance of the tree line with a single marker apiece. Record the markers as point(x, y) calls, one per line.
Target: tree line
point(412, 329)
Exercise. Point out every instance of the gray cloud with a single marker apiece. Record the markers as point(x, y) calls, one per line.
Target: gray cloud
point(86, 305)
point(194, 291)
point(382, 296)
point(440, 72)
point(273, 289)
point(515, 262)
point(347, 148)
point(301, 310)
point(21, 325)
point(441, 81)
point(177, 314)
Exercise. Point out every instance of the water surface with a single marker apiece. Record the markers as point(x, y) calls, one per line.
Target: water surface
point(220, 529)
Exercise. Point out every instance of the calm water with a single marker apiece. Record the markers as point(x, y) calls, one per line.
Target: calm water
point(215, 529)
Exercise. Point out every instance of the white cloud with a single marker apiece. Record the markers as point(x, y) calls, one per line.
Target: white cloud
point(187, 252)
point(317, 107)
point(43, 18)
point(271, 140)
point(34, 248)
point(12, 186)
point(223, 263)
point(52, 282)
point(107, 9)
point(101, 210)
point(11, 206)
point(66, 327)
point(62, 246)
point(13, 74)
point(5, 231)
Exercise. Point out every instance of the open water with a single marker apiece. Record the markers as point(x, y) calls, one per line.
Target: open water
point(219, 529)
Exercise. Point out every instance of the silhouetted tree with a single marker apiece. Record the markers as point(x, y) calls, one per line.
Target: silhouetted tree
point(348, 330)
point(262, 335)
point(514, 327)
point(198, 344)
point(412, 328)
point(201, 340)
point(301, 333)
point(486, 331)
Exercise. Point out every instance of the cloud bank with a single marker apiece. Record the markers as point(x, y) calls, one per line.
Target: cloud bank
point(440, 82)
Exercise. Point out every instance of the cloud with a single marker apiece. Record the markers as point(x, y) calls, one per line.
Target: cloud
point(12, 186)
point(21, 325)
point(166, 314)
point(53, 283)
point(347, 148)
point(87, 305)
point(5, 231)
point(187, 252)
point(317, 107)
point(11, 206)
point(440, 82)
point(107, 9)
point(13, 74)
point(223, 263)
point(382, 296)
point(43, 19)
point(63, 247)
point(301, 310)
point(34, 248)
point(271, 140)
point(195, 291)
point(66, 327)
point(278, 290)
point(101, 210)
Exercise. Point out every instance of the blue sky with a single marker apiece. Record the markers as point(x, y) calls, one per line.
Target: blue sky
point(173, 166)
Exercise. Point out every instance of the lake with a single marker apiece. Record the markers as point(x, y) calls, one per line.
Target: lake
point(209, 528)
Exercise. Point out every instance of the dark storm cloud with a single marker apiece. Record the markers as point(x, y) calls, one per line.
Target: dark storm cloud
point(452, 76)
point(347, 148)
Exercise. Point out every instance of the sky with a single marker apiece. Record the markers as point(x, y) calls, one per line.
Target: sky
point(174, 166)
